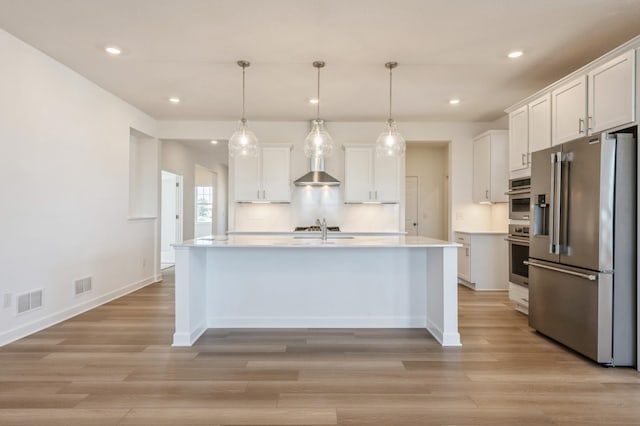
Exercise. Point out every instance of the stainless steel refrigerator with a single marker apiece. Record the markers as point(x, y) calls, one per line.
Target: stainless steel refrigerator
point(582, 262)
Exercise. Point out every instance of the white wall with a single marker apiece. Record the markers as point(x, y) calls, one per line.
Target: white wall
point(181, 159)
point(64, 180)
point(464, 214)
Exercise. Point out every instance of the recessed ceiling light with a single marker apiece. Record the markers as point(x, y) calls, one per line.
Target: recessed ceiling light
point(515, 54)
point(214, 142)
point(313, 101)
point(174, 100)
point(454, 101)
point(113, 50)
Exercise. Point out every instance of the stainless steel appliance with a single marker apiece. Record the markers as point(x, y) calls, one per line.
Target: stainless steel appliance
point(582, 267)
point(519, 198)
point(518, 254)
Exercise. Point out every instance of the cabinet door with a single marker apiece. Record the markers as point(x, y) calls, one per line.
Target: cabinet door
point(611, 94)
point(481, 169)
point(247, 178)
point(539, 124)
point(464, 264)
point(569, 111)
point(276, 174)
point(386, 183)
point(518, 128)
point(358, 163)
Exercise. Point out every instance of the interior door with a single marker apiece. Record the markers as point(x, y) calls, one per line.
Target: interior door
point(411, 206)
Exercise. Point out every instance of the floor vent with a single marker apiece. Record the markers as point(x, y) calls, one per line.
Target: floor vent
point(82, 286)
point(29, 301)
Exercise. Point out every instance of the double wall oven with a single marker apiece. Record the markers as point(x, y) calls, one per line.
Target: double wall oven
point(519, 213)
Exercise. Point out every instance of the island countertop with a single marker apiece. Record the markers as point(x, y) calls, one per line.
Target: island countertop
point(314, 241)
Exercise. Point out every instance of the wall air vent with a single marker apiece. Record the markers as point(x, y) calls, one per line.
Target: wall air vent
point(82, 286)
point(29, 301)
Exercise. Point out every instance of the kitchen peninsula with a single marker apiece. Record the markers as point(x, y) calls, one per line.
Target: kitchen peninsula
point(270, 281)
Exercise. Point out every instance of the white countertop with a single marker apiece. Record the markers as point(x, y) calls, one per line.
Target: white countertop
point(306, 241)
point(351, 233)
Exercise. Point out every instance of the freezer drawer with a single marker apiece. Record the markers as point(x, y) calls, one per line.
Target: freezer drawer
point(574, 307)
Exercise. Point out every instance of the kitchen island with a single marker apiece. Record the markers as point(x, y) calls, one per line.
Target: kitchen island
point(272, 281)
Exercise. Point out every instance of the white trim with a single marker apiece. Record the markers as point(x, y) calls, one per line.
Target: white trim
point(55, 318)
point(317, 322)
point(445, 339)
point(188, 339)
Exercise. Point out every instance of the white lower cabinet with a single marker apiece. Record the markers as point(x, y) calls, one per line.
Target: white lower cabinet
point(520, 296)
point(483, 260)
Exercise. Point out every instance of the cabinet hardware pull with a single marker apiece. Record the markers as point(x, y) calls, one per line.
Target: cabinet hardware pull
point(590, 277)
point(589, 123)
point(486, 194)
point(467, 250)
point(580, 124)
point(528, 158)
point(522, 159)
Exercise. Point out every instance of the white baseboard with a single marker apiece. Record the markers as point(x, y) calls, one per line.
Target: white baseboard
point(45, 322)
point(188, 339)
point(317, 322)
point(445, 339)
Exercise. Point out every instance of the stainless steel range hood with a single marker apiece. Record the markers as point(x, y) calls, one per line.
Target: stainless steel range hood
point(317, 176)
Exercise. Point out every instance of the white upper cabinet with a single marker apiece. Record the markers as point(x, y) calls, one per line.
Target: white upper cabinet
point(602, 99)
point(539, 124)
point(490, 167)
point(266, 177)
point(529, 131)
point(518, 139)
point(368, 178)
point(569, 111)
point(611, 94)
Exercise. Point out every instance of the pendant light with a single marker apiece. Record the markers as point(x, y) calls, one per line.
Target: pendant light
point(390, 142)
point(318, 142)
point(243, 142)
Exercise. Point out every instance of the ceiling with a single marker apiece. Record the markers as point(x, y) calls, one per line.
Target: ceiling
point(445, 49)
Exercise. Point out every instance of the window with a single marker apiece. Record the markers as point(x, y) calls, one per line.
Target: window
point(204, 204)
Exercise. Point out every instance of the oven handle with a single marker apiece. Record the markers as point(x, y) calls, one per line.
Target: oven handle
point(589, 277)
point(518, 191)
point(518, 240)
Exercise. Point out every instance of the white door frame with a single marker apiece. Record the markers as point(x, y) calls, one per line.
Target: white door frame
point(169, 210)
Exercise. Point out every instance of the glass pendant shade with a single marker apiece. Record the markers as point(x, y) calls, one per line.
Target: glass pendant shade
point(243, 142)
point(318, 142)
point(390, 143)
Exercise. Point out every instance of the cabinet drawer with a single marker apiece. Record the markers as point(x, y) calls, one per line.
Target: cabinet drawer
point(463, 238)
point(519, 294)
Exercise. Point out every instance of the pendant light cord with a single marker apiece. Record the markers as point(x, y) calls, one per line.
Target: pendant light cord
point(390, 90)
point(243, 71)
point(318, 105)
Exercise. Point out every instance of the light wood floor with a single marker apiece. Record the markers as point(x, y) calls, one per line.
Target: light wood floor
point(115, 365)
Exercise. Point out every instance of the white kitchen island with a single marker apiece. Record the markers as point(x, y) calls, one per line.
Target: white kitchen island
point(270, 281)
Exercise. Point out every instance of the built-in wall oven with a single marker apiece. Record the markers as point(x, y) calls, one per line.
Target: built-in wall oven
point(518, 254)
point(519, 198)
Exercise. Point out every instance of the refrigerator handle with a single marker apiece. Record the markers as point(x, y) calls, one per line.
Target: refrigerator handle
point(557, 202)
point(552, 205)
point(590, 277)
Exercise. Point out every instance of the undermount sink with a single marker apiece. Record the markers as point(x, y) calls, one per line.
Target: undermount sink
point(329, 237)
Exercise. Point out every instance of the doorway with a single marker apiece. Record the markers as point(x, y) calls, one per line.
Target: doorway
point(411, 225)
point(171, 217)
point(206, 207)
point(427, 189)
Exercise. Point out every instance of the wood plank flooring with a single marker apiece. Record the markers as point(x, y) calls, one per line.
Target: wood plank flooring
point(114, 365)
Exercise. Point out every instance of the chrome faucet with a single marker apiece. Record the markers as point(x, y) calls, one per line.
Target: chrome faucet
point(323, 228)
